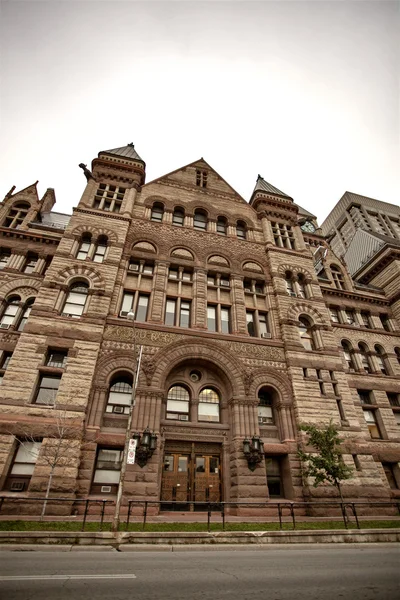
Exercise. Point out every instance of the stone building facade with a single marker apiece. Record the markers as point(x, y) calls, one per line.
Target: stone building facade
point(246, 323)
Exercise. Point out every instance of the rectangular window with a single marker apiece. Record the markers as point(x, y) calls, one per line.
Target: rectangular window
point(109, 198)
point(274, 478)
point(211, 280)
point(100, 253)
point(184, 317)
point(170, 312)
point(385, 322)
point(369, 416)
point(394, 399)
point(127, 303)
point(23, 466)
point(5, 359)
point(265, 415)
point(225, 320)
point(263, 324)
point(389, 469)
point(107, 471)
point(47, 389)
point(141, 310)
point(365, 396)
point(365, 319)
point(173, 274)
point(350, 317)
point(250, 323)
point(4, 258)
point(211, 318)
point(283, 235)
point(56, 358)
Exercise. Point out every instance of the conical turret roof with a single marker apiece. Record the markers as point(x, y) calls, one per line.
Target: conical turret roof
point(127, 151)
point(264, 186)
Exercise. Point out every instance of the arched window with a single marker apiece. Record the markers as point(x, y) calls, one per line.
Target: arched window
point(289, 283)
point(25, 314)
point(101, 249)
point(178, 217)
point(178, 403)
point(301, 286)
point(76, 300)
point(5, 255)
point(16, 215)
point(84, 246)
point(306, 336)
point(222, 225)
point(10, 312)
point(157, 212)
point(208, 405)
point(30, 262)
point(241, 230)
point(337, 277)
point(120, 395)
point(381, 359)
point(365, 358)
point(397, 352)
point(265, 403)
point(348, 355)
point(200, 220)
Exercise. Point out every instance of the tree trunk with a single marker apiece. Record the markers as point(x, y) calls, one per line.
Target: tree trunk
point(47, 492)
point(345, 518)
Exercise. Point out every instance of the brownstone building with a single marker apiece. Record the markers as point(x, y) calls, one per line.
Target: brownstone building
point(246, 323)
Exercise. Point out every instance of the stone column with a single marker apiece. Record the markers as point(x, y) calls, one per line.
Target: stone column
point(199, 318)
point(239, 325)
point(159, 291)
point(267, 229)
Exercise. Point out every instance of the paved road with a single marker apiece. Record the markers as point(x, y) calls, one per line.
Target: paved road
point(309, 572)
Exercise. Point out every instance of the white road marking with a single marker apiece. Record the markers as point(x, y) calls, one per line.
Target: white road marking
point(41, 577)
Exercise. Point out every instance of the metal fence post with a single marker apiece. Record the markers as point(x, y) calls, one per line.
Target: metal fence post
point(144, 514)
point(208, 517)
point(102, 514)
point(223, 515)
point(280, 515)
point(129, 515)
point(85, 515)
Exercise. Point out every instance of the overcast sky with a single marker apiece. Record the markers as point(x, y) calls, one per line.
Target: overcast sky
point(304, 93)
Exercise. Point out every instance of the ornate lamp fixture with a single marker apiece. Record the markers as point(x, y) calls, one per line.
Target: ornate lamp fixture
point(254, 451)
point(146, 444)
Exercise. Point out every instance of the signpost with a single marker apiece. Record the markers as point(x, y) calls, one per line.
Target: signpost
point(130, 459)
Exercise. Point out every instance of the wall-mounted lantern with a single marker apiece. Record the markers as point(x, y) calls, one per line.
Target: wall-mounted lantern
point(146, 444)
point(254, 451)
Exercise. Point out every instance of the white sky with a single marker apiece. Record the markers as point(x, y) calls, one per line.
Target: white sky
point(304, 93)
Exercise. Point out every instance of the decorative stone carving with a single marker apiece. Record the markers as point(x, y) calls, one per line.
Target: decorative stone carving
point(247, 380)
point(148, 366)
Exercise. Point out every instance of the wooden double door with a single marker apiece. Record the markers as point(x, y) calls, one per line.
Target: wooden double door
point(191, 478)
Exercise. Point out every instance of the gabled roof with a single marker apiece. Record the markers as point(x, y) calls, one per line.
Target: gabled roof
point(264, 186)
point(304, 212)
point(127, 151)
point(201, 163)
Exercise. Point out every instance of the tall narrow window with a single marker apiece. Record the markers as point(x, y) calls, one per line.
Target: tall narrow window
point(107, 471)
point(200, 220)
point(76, 300)
point(338, 278)
point(170, 312)
point(301, 286)
point(100, 250)
point(4, 361)
point(142, 306)
point(241, 230)
point(157, 212)
point(348, 355)
point(25, 314)
point(178, 217)
point(211, 318)
point(10, 312)
point(397, 353)
point(394, 401)
point(363, 350)
point(208, 405)
point(225, 320)
point(178, 403)
point(23, 465)
point(350, 317)
point(16, 215)
point(305, 331)
point(365, 317)
point(30, 263)
point(120, 395)
point(221, 225)
point(184, 317)
point(5, 256)
point(385, 322)
point(289, 283)
point(250, 320)
point(274, 477)
point(84, 246)
point(334, 315)
point(370, 418)
point(265, 403)
point(380, 357)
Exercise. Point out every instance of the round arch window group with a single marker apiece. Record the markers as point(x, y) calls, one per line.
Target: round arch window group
point(179, 402)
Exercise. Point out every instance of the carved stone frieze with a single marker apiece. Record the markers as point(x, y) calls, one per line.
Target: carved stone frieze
point(143, 336)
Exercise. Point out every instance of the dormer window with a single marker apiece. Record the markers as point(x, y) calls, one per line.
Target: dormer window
point(16, 215)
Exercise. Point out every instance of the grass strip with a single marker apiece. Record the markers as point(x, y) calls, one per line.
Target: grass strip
point(193, 527)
